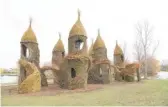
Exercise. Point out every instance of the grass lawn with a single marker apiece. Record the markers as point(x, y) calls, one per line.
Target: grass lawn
point(149, 92)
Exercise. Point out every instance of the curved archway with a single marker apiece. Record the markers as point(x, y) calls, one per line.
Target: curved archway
point(44, 81)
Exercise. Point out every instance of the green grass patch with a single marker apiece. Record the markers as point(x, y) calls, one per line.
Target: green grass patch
point(150, 92)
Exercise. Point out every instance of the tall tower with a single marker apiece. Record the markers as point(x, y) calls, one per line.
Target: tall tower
point(99, 48)
point(29, 50)
point(118, 56)
point(58, 52)
point(77, 62)
point(77, 41)
point(100, 72)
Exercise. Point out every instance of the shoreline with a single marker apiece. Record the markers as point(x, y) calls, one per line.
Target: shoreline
point(160, 76)
point(8, 84)
point(50, 81)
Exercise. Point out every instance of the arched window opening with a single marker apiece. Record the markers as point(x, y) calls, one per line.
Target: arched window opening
point(73, 73)
point(79, 44)
point(25, 52)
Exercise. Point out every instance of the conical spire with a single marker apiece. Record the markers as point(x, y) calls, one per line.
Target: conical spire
point(77, 28)
point(78, 14)
point(98, 32)
point(59, 45)
point(99, 43)
point(59, 35)
point(29, 35)
point(30, 21)
point(117, 50)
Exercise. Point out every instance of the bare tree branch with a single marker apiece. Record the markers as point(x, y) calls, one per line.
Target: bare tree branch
point(155, 48)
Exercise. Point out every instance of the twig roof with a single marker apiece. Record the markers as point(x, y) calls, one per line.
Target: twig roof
point(29, 35)
point(77, 28)
point(99, 43)
point(59, 45)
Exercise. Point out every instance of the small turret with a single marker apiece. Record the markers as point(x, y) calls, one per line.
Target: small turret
point(118, 56)
point(59, 45)
point(117, 50)
point(99, 48)
point(58, 52)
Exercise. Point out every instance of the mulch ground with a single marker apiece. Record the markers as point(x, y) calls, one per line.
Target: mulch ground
point(53, 89)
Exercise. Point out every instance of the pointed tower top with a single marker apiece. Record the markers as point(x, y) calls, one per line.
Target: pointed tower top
point(29, 34)
point(117, 50)
point(59, 46)
point(99, 43)
point(98, 32)
point(59, 35)
point(77, 28)
point(79, 14)
point(30, 21)
point(116, 42)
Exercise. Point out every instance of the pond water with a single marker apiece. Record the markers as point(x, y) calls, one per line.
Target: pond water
point(14, 79)
point(8, 79)
point(162, 75)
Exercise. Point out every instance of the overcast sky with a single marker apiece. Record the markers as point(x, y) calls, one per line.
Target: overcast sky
point(115, 18)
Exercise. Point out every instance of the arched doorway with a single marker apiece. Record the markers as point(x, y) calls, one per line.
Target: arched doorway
point(73, 73)
point(49, 76)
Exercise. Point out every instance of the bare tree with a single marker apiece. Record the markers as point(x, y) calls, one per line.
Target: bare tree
point(138, 56)
point(138, 51)
point(143, 43)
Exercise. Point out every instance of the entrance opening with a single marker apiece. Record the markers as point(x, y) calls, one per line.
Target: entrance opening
point(25, 51)
point(79, 44)
point(49, 76)
point(122, 57)
point(100, 72)
point(63, 54)
point(73, 73)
